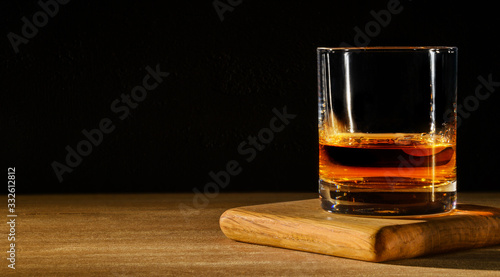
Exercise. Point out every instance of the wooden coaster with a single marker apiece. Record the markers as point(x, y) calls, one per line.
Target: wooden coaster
point(303, 225)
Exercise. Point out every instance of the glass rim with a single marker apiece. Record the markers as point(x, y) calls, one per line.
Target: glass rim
point(389, 48)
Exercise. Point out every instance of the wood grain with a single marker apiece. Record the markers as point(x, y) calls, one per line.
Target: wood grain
point(148, 235)
point(303, 225)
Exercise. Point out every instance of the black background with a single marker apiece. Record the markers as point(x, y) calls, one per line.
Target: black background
point(225, 79)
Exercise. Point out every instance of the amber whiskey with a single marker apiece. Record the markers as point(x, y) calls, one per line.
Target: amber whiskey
point(387, 174)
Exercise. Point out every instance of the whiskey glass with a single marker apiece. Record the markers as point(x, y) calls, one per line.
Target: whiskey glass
point(387, 129)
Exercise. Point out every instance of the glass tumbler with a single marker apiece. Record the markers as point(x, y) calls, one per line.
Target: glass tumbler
point(387, 129)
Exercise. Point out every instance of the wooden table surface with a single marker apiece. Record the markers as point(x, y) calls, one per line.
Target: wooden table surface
point(148, 235)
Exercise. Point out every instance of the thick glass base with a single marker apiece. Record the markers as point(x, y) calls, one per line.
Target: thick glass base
point(366, 200)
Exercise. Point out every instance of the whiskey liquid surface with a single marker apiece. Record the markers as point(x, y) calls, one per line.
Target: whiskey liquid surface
point(387, 160)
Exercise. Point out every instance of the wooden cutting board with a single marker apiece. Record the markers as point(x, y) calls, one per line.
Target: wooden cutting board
point(303, 225)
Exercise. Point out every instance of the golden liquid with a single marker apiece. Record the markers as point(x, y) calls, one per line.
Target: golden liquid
point(387, 161)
